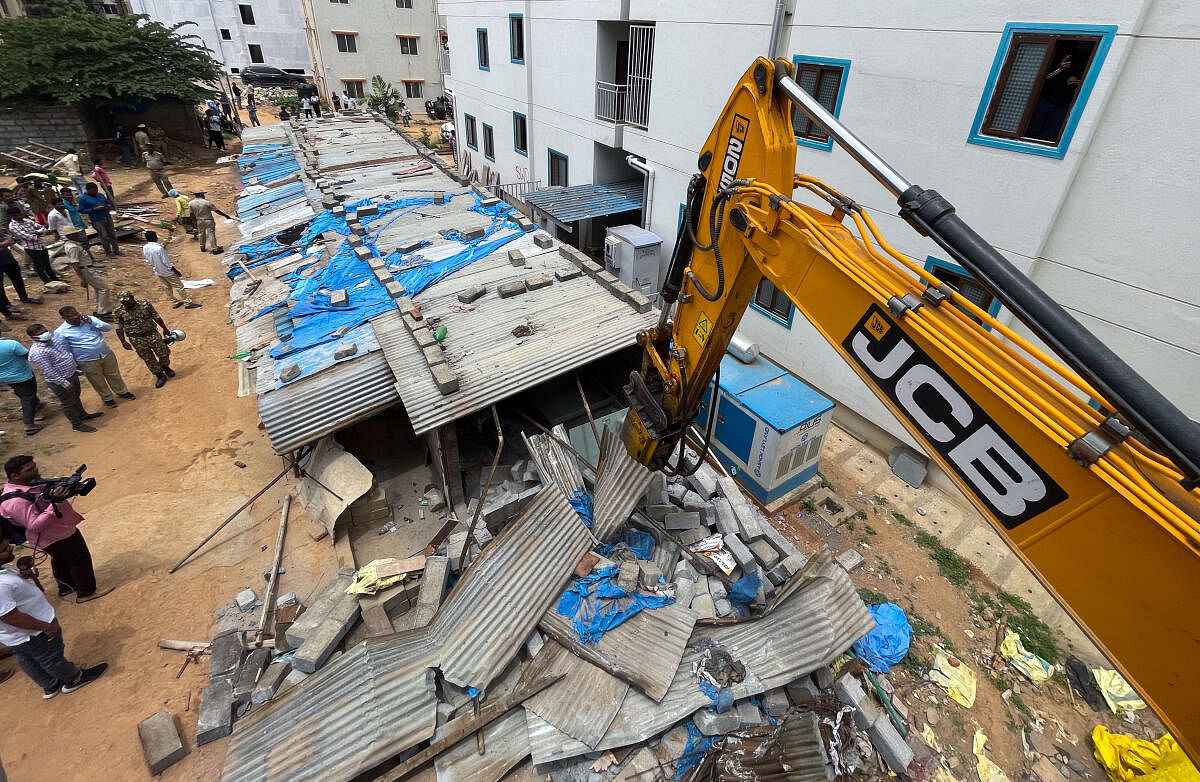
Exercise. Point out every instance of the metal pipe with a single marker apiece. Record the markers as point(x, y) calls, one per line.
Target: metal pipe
point(491, 474)
point(777, 27)
point(273, 583)
point(866, 157)
point(648, 172)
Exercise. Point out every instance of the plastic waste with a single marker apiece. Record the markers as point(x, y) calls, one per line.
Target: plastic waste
point(953, 676)
point(1125, 758)
point(1035, 668)
point(888, 642)
point(988, 771)
point(1117, 693)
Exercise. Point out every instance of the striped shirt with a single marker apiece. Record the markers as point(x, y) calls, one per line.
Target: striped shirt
point(54, 360)
point(26, 233)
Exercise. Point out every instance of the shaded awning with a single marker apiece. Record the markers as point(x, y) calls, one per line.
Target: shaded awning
point(568, 204)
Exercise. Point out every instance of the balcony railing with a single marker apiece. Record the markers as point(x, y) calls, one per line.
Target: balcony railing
point(515, 191)
point(445, 61)
point(623, 103)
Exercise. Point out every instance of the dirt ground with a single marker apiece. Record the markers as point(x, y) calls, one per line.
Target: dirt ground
point(166, 472)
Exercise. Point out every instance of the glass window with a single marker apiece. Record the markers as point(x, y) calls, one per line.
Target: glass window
point(353, 88)
point(822, 80)
point(516, 37)
point(1037, 86)
point(489, 142)
point(520, 133)
point(226, 35)
point(256, 54)
point(412, 89)
point(559, 169)
point(481, 41)
point(472, 138)
point(247, 14)
point(773, 301)
point(408, 44)
point(404, 3)
point(346, 42)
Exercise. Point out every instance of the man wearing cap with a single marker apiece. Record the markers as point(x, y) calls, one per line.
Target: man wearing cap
point(135, 321)
point(206, 227)
point(183, 215)
point(164, 268)
point(156, 166)
point(141, 140)
point(74, 257)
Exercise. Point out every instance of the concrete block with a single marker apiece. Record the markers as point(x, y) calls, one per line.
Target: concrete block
point(366, 210)
point(525, 224)
point(394, 289)
point(439, 199)
point(358, 229)
point(362, 253)
point(270, 681)
point(320, 643)
point(823, 676)
point(775, 702)
point(685, 590)
point(642, 767)
point(320, 608)
point(689, 537)
point(802, 691)
point(510, 289)
point(562, 275)
point(702, 605)
point(434, 355)
point(721, 514)
point(735, 546)
point(639, 302)
point(289, 373)
point(487, 203)
point(339, 211)
point(215, 720)
point(424, 337)
point(339, 298)
point(444, 378)
point(246, 599)
point(471, 294)
point(693, 501)
point(765, 553)
point(886, 740)
point(704, 481)
point(538, 281)
point(712, 724)
point(226, 656)
point(748, 518)
point(680, 521)
point(290, 599)
point(660, 512)
point(471, 234)
point(701, 584)
point(354, 240)
point(161, 745)
point(627, 578)
point(724, 607)
point(650, 572)
point(543, 240)
point(749, 715)
point(792, 564)
point(247, 676)
point(716, 588)
point(850, 692)
point(516, 257)
point(675, 492)
point(433, 587)
point(455, 546)
point(849, 559)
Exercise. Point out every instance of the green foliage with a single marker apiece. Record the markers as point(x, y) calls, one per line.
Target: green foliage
point(1019, 702)
point(1035, 634)
point(900, 517)
point(76, 57)
point(427, 139)
point(879, 500)
point(955, 569)
point(871, 597)
point(860, 515)
point(284, 100)
point(867, 528)
point(825, 484)
point(922, 626)
point(384, 98)
point(809, 505)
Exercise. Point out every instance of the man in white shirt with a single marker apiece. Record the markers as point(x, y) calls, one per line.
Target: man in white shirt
point(29, 628)
point(168, 276)
point(69, 164)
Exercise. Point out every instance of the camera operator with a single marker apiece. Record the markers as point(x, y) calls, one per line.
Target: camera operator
point(51, 525)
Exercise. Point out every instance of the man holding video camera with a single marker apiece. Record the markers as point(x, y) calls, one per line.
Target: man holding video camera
point(51, 524)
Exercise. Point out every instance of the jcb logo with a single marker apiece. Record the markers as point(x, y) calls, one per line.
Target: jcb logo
point(733, 150)
point(1011, 484)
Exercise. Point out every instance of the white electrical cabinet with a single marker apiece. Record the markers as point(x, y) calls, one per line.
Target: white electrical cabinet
point(632, 255)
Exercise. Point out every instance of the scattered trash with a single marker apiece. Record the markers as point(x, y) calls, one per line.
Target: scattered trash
point(1083, 683)
point(953, 676)
point(988, 771)
point(921, 511)
point(1033, 667)
point(1125, 758)
point(1117, 693)
point(380, 574)
point(386, 528)
point(887, 644)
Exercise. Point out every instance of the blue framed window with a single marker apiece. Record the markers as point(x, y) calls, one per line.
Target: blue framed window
point(559, 168)
point(825, 80)
point(481, 49)
point(516, 38)
point(773, 303)
point(489, 142)
point(962, 281)
point(520, 134)
point(1039, 85)
point(471, 136)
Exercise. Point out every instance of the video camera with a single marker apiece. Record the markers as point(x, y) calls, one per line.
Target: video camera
point(74, 485)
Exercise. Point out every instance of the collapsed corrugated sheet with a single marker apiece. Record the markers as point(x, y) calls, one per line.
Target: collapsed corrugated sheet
point(620, 484)
point(809, 626)
point(506, 744)
point(555, 465)
point(505, 591)
point(792, 751)
point(375, 700)
point(583, 703)
point(644, 650)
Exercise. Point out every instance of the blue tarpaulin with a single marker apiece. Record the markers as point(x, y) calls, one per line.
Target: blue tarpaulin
point(581, 501)
point(595, 604)
point(722, 698)
point(697, 745)
point(887, 644)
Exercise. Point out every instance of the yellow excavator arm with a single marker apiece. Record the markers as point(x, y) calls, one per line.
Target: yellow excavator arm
point(1102, 504)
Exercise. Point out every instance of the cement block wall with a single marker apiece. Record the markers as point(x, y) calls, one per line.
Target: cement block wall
point(58, 126)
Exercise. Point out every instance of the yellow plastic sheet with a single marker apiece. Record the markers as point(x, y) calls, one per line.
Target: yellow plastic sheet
point(1035, 668)
point(957, 680)
point(988, 771)
point(1125, 758)
point(368, 580)
point(931, 738)
point(1116, 691)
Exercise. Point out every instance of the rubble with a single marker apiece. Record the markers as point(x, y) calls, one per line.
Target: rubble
point(161, 744)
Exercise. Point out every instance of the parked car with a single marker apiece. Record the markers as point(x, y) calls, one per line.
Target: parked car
point(265, 75)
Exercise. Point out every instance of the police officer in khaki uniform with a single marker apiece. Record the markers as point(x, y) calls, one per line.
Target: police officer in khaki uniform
point(206, 226)
point(135, 322)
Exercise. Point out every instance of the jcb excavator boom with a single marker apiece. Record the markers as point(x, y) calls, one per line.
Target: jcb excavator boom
point(1102, 504)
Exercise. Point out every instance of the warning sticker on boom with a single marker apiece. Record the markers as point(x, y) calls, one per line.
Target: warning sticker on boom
point(703, 330)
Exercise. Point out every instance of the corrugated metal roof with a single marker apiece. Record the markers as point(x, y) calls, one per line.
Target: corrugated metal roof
point(620, 484)
point(555, 465)
point(505, 743)
point(507, 588)
point(330, 400)
point(813, 624)
point(644, 650)
point(583, 718)
point(578, 202)
point(374, 701)
point(574, 322)
point(789, 752)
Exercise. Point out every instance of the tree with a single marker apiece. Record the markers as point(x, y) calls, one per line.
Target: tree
point(76, 57)
point(384, 98)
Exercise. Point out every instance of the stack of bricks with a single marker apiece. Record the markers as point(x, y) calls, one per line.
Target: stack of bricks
point(633, 298)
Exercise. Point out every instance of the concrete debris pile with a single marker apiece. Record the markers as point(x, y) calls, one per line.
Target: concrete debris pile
point(605, 622)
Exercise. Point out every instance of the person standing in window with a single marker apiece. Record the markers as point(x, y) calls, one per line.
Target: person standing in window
point(1050, 112)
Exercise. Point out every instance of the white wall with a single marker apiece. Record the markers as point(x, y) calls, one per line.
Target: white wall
point(1107, 230)
point(377, 24)
point(277, 29)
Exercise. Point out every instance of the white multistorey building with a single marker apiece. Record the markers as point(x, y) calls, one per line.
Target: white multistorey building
point(1063, 134)
point(239, 32)
point(353, 41)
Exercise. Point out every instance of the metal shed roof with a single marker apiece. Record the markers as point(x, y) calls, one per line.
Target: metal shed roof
point(579, 202)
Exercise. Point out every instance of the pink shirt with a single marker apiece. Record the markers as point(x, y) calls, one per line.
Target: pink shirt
point(42, 527)
point(101, 176)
